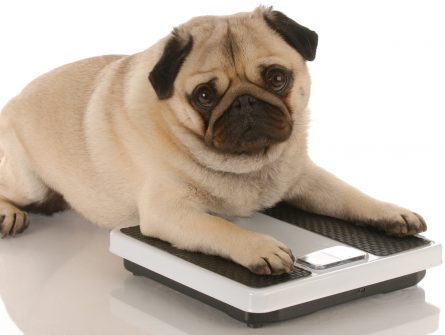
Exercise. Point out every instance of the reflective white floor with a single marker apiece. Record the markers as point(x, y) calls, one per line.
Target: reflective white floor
point(378, 122)
point(59, 278)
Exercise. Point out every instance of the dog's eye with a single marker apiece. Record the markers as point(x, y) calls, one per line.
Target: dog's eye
point(204, 96)
point(277, 79)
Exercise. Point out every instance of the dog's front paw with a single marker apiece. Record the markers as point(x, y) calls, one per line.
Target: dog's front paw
point(397, 221)
point(264, 255)
point(12, 220)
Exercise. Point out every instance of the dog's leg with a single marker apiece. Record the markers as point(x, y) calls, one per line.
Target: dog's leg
point(320, 192)
point(19, 187)
point(173, 217)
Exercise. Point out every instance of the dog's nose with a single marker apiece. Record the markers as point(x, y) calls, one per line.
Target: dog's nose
point(244, 102)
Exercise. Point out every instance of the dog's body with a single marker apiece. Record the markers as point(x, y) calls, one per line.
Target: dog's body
point(95, 135)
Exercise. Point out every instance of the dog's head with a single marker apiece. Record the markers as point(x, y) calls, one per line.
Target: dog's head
point(237, 84)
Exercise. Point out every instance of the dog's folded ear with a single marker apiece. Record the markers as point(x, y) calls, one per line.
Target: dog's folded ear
point(167, 68)
point(297, 36)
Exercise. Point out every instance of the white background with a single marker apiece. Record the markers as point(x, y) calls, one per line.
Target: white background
point(378, 93)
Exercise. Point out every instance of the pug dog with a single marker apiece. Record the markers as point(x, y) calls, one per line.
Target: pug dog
point(210, 122)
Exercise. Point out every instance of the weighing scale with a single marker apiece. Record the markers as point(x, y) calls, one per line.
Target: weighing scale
point(336, 262)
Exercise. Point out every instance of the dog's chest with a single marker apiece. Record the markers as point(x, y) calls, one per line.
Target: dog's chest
point(240, 195)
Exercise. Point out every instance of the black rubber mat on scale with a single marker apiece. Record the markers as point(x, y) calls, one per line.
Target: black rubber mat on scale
point(360, 237)
point(218, 264)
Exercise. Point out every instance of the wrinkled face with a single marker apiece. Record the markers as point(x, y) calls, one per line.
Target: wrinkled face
point(242, 116)
point(240, 82)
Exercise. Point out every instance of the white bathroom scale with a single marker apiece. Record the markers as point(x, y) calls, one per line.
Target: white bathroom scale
point(335, 262)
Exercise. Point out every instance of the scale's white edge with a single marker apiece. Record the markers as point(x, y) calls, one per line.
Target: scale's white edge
point(262, 300)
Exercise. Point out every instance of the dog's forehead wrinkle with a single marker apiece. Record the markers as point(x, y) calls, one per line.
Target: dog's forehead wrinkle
point(229, 42)
point(230, 46)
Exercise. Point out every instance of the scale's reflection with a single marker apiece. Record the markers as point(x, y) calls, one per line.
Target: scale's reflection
point(145, 303)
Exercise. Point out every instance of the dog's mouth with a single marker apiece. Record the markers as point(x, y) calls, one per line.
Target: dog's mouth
point(253, 150)
point(249, 126)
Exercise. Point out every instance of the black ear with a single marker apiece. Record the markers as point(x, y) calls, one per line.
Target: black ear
point(297, 36)
point(167, 68)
